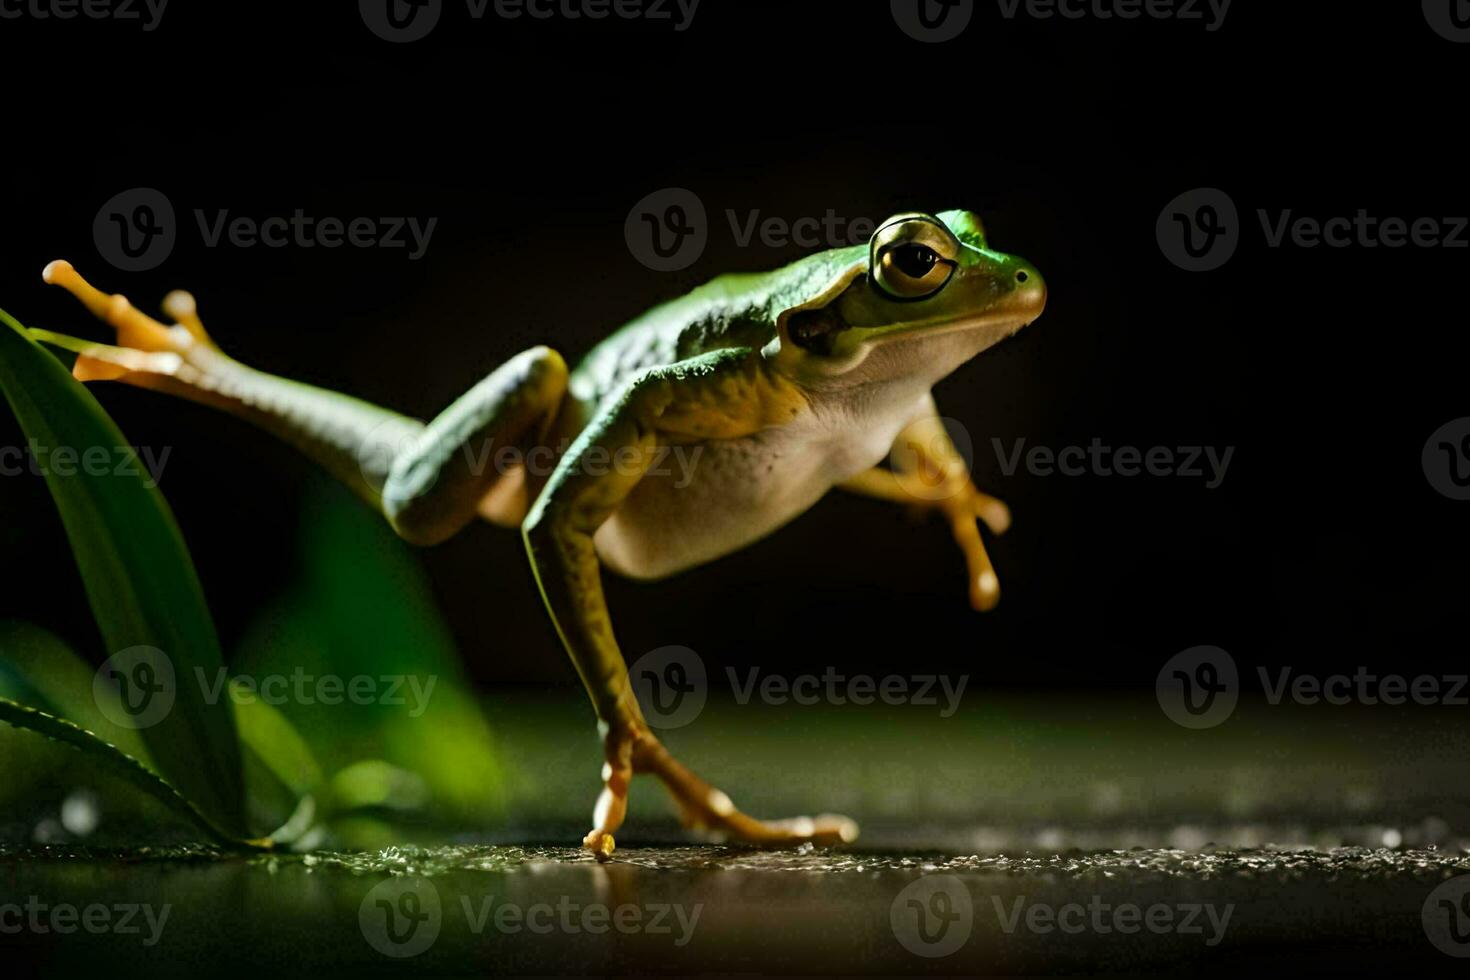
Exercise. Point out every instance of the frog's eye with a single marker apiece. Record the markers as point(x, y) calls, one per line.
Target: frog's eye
point(912, 258)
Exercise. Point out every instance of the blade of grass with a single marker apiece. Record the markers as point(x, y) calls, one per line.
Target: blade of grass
point(61, 730)
point(139, 578)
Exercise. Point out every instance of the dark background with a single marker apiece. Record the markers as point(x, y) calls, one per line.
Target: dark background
point(1327, 369)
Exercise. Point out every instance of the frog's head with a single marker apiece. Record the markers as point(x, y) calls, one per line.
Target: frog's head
point(923, 297)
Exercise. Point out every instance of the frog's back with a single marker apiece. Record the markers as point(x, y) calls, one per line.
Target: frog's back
point(736, 310)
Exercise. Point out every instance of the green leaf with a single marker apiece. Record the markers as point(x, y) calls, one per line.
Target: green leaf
point(265, 732)
point(139, 578)
point(46, 673)
point(360, 605)
point(119, 762)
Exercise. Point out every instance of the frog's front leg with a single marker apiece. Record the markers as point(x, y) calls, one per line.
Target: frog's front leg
point(930, 474)
point(559, 531)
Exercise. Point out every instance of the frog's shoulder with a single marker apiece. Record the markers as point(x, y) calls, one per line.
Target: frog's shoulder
point(737, 310)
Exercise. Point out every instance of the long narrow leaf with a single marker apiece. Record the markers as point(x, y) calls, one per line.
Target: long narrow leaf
point(118, 762)
point(139, 578)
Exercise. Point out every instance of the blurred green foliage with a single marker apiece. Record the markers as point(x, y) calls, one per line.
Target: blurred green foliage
point(399, 746)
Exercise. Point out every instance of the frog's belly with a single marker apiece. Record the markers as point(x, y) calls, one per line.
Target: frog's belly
point(730, 494)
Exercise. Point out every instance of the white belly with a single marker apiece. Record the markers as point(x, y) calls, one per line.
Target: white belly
point(721, 496)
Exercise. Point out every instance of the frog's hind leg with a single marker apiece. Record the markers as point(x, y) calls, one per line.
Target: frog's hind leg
point(454, 468)
point(427, 480)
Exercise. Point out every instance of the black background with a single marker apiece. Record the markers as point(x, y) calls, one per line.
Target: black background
point(1326, 369)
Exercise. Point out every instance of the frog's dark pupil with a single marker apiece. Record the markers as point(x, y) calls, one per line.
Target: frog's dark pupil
point(915, 260)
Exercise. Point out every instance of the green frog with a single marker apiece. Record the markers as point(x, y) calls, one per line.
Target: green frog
point(780, 386)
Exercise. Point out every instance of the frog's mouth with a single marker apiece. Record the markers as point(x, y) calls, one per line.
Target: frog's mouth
point(816, 330)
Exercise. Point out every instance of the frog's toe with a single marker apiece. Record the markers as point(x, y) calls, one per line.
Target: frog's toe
point(145, 348)
point(706, 808)
point(991, 510)
point(601, 844)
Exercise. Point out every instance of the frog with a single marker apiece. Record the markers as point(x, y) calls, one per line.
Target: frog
point(782, 386)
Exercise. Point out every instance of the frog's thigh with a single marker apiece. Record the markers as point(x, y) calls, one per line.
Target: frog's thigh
point(469, 459)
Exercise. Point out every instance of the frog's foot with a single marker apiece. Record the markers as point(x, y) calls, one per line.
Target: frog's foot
point(146, 349)
point(962, 508)
point(924, 488)
point(704, 807)
point(701, 806)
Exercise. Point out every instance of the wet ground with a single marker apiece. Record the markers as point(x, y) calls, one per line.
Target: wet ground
point(1036, 837)
point(520, 909)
